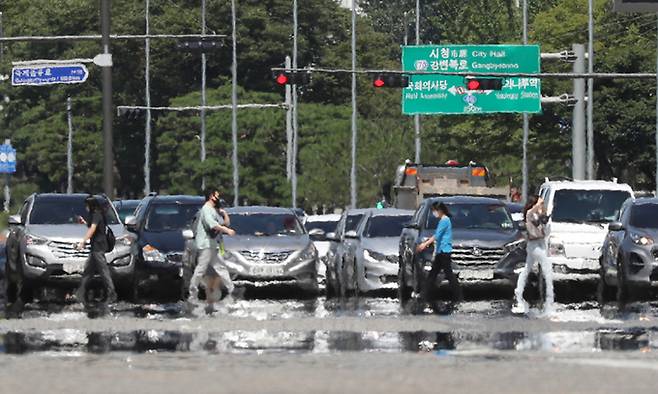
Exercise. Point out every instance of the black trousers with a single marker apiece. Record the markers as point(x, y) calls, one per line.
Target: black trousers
point(96, 263)
point(443, 262)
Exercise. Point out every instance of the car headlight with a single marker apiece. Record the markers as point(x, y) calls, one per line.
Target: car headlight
point(515, 245)
point(152, 254)
point(34, 240)
point(125, 240)
point(640, 239)
point(309, 253)
point(374, 256)
point(555, 247)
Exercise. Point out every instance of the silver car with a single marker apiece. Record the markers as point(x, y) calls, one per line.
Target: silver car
point(271, 247)
point(41, 246)
point(372, 261)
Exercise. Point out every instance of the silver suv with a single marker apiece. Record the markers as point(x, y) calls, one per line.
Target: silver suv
point(41, 246)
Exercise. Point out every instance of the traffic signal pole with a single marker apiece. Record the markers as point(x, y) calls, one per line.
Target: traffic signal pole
point(578, 144)
point(353, 184)
point(203, 96)
point(418, 145)
point(526, 119)
point(295, 133)
point(147, 98)
point(108, 155)
point(590, 94)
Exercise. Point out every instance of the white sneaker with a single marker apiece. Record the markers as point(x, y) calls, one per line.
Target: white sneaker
point(520, 308)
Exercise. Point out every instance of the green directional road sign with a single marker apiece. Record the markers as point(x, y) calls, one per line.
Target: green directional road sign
point(448, 94)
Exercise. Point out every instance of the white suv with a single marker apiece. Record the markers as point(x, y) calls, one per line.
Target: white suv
point(580, 212)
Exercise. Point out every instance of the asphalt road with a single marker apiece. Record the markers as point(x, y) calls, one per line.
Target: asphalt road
point(267, 343)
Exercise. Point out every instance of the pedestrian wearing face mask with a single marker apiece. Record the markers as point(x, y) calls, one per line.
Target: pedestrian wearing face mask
point(442, 240)
point(208, 226)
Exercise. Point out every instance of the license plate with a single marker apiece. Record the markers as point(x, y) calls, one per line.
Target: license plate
point(73, 267)
point(476, 275)
point(266, 270)
point(584, 264)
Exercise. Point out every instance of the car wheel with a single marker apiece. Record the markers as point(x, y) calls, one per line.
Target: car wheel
point(404, 292)
point(330, 289)
point(11, 288)
point(128, 289)
point(622, 284)
point(604, 292)
point(355, 280)
point(418, 278)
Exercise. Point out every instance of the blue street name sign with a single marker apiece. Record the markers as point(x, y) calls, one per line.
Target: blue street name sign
point(7, 159)
point(44, 74)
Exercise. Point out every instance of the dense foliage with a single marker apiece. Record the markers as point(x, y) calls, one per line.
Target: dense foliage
point(35, 118)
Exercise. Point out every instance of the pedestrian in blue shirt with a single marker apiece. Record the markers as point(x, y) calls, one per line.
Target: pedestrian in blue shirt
point(442, 240)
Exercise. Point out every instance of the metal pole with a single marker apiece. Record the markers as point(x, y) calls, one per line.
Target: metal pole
point(590, 95)
point(295, 132)
point(526, 119)
point(203, 97)
point(417, 117)
point(234, 108)
point(353, 191)
point(578, 142)
point(2, 46)
point(147, 126)
point(108, 158)
point(69, 147)
point(288, 125)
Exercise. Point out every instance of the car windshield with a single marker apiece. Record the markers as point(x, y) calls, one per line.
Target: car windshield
point(64, 211)
point(588, 206)
point(352, 222)
point(170, 216)
point(266, 224)
point(327, 227)
point(125, 209)
point(645, 216)
point(476, 216)
point(385, 226)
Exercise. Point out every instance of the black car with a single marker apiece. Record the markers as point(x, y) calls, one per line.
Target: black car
point(158, 223)
point(486, 243)
point(629, 258)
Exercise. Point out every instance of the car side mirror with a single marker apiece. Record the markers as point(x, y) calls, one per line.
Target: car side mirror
point(412, 225)
point(188, 233)
point(615, 226)
point(131, 222)
point(351, 234)
point(317, 234)
point(14, 220)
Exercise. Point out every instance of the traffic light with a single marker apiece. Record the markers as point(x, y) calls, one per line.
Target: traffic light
point(201, 45)
point(483, 83)
point(292, 77)
point(390, 81)
point(130, 113)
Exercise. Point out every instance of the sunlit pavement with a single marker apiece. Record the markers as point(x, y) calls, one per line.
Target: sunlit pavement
point(268, 326)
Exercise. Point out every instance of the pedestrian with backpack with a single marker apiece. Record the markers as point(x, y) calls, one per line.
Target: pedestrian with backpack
point(101, 241)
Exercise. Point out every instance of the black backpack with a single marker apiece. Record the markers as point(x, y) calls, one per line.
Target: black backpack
point(109, 236)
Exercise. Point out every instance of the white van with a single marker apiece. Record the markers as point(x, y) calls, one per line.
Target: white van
point(580, 212)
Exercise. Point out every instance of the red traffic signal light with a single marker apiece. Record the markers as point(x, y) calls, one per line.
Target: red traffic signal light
point(390, 81)
point(484, 83)
point(292, 77)
point(473, 84)
point(282, 79)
